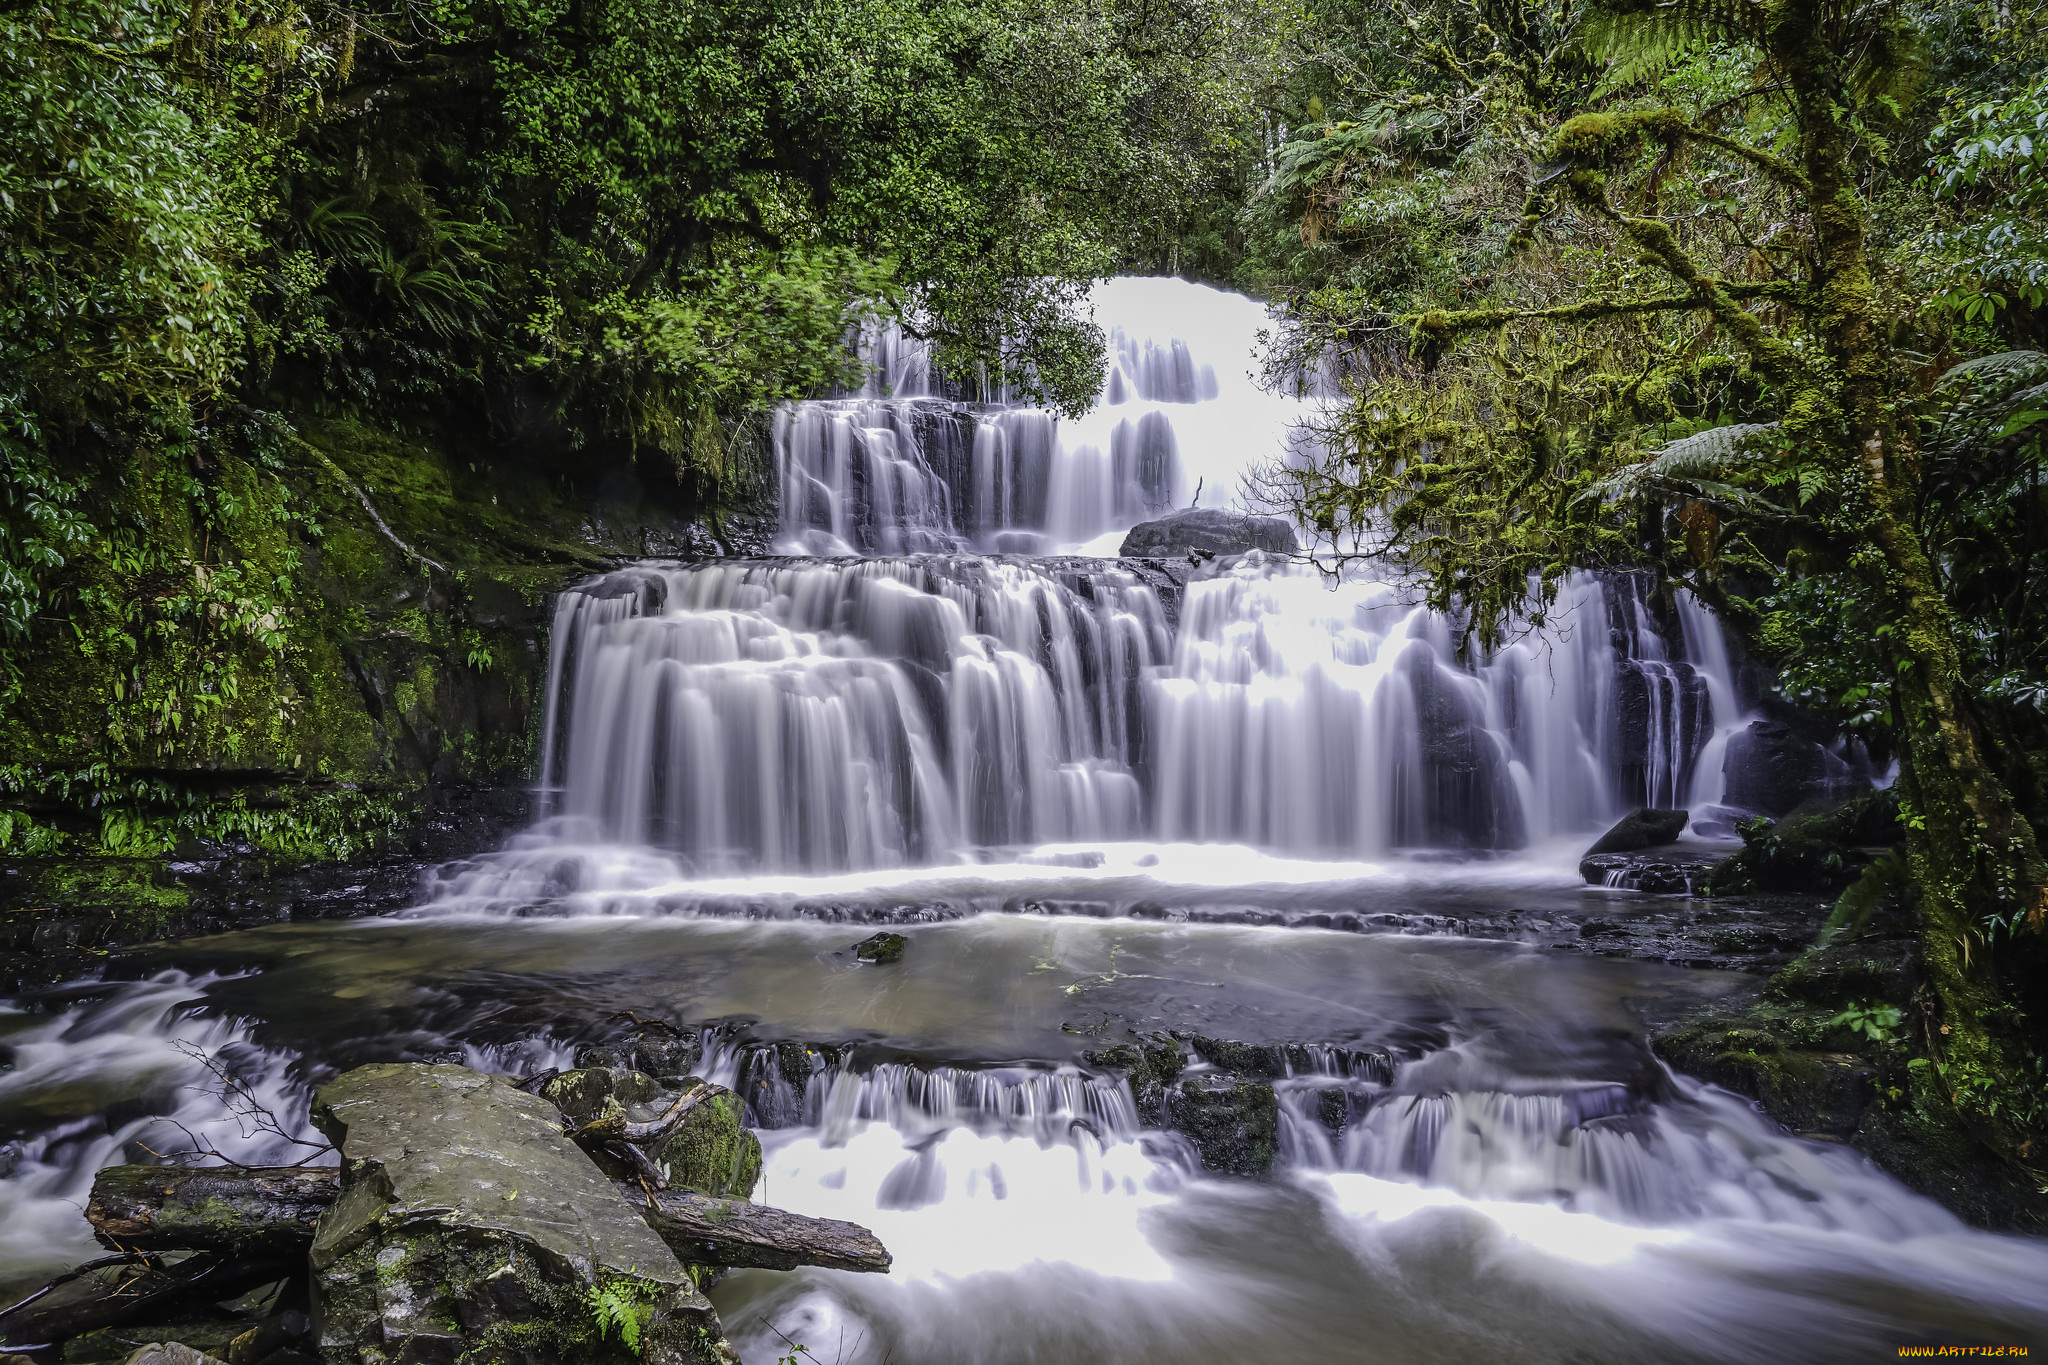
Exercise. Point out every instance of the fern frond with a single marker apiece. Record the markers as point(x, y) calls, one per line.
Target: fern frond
point(2000, 369)
point(1697, 466)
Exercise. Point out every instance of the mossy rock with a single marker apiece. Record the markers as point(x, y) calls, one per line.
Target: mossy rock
point(1819, 851)
point(469, 1229)
point(1151, 1064)
point(1234, 1124)
point(119, 1343)
point(881, 949)
point(713, 1151)
point(589, 1092)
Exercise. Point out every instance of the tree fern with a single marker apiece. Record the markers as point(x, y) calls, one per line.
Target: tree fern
point(1697, 466)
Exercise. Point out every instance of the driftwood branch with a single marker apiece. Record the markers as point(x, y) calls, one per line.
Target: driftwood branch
point(234, 1209)
point(152, 1294)
point(702, 1230)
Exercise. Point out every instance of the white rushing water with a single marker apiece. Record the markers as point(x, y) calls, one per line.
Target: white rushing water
point(1042, 1222)
point(841, 715)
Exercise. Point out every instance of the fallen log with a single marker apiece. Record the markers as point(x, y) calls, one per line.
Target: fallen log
point(150, 1294)
point(702, 1230)
point(238, 1210)
point(270, 1212)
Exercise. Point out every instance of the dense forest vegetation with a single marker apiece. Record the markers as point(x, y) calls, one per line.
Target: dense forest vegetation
point(322, 323)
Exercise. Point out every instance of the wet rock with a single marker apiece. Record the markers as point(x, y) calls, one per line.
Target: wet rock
point(653, 1046)
point(1660, 873)
point(277, 1333)
point(588, 1093)
point(1773, 769)
point(713, 1151)
point(1209, 530)
point(194, 1341)
point(1233, 1123)
point(1639, 829)
point(773, 1078)
point(1809, 1091)
point(881, 948)
point(1821, 851)
point(171, 1353)
point(469, 1225)
point(1149, 1065)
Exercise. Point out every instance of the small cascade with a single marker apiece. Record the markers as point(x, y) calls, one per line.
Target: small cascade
point(115, 1078)
point(1664, 712)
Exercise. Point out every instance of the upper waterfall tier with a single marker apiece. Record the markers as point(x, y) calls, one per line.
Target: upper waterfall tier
point(904, 467)
point(826, 715)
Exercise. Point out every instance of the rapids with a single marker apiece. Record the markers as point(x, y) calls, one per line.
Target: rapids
point(1237, 800)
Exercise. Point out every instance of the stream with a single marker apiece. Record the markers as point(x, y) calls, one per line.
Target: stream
point(1240, 799)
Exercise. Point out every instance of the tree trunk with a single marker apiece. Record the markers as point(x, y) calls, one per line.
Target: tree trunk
point(1973, 856)
point(702, 1230)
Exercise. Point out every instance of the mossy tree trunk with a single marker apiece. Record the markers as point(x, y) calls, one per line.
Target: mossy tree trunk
point(1973, 855)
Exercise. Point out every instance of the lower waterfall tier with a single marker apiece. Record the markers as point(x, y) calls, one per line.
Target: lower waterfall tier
point(825, 715)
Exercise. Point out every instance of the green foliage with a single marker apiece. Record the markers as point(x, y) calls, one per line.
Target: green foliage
point(564, 240)
point(1879, 1023)
point(618, 1303)
point(1991, 163)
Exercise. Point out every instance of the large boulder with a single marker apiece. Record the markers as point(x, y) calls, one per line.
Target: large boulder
point(469, 1225)
point(1208, 530)
point(1773, 769)
point(1639, 829)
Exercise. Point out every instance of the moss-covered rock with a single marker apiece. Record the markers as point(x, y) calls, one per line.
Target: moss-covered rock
point(1149, 1064)
point(1233, 1123)
point(881, 948)
point(1821, 851)
point(713, 1151)
point(590, 1092)
point(1836, 1048)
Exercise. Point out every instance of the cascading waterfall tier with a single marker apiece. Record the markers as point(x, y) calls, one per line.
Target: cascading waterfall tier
point(847, 714)
point(903, 468)
point(831, 714)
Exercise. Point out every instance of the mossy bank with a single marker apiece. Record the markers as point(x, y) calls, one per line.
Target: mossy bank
point(290, 646)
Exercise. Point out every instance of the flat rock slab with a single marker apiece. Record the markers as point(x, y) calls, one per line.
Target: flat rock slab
point(467, 1219)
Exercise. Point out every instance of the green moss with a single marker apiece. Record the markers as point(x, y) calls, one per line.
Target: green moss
point(713, 1151)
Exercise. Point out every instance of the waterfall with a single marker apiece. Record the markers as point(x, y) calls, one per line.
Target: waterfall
point(847, 714)
point(900, 469)
point(833, 714)
point(908, 688)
